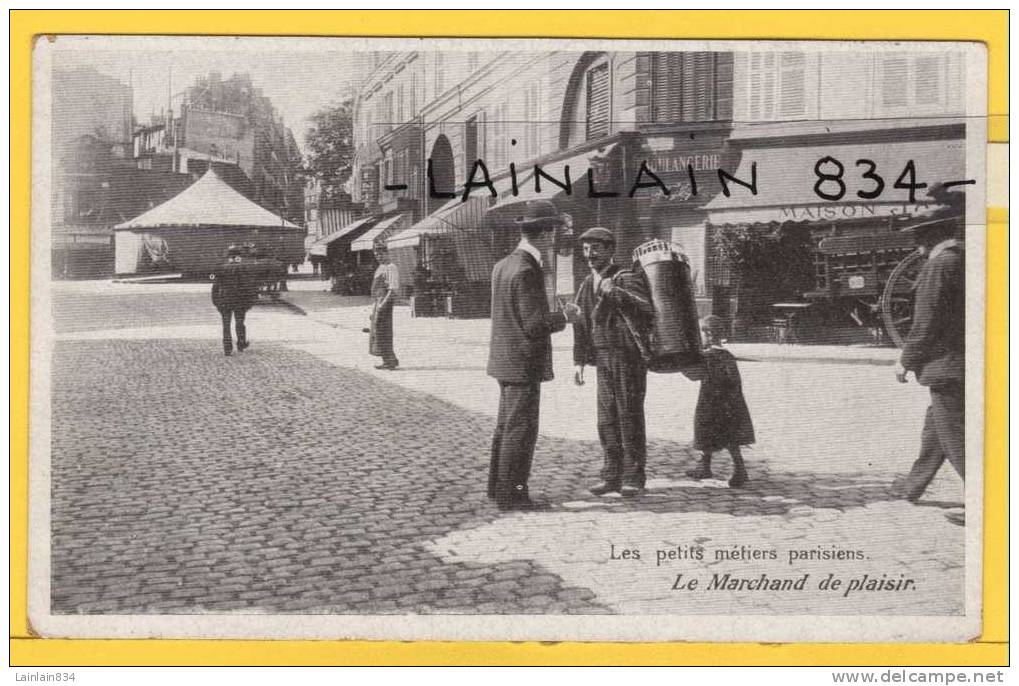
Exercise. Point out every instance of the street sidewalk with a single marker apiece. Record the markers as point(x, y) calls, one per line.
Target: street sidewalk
point(815, 408)
point(315, 300)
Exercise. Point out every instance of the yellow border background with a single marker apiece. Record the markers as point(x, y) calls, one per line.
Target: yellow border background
point(986, 26)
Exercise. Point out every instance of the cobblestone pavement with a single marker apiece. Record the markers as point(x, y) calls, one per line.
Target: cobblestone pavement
point(255, 483)
point(183, 481)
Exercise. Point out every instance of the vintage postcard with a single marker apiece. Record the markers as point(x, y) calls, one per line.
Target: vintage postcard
point(603, 340)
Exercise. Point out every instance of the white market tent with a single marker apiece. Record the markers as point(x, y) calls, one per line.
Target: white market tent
point(194, 228)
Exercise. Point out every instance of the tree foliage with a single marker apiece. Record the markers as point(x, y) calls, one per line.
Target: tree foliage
point(330, 147)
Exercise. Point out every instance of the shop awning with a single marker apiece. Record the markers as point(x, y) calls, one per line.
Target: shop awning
point(454, 215)
point(508, 204)
point(321, 246)
point(367, 241)
point(786, 180)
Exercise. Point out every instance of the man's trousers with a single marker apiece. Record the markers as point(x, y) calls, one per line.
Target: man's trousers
point(943, 438)
point(516, 431)
point(622, 384)
point(237, 313)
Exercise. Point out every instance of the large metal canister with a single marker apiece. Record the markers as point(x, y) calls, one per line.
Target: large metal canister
point(676, 335)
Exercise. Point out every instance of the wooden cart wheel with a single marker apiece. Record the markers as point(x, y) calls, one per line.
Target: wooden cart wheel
point(897, 299)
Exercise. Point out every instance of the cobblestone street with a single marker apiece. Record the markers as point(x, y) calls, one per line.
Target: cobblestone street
point(294, 479)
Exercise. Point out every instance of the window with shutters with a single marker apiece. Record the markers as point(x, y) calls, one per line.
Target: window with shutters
point(387, 113)
point(914, 83)
point(777, 85)
point(470, 143)
point(894, 73)
point(413, 96)
point(440, 74)
point(598, 103)
point(927, 85)
point(691, 86)
point(532, 120)
point(399, 103)
point(497, 139)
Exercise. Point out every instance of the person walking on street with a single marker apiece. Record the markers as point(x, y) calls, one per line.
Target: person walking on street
point(234, 291)
point(615, 305)
point(520, 353)
point(385, 285)
point(721, 420)
point(935, 351)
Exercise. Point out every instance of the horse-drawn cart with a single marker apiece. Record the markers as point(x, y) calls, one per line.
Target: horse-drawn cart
point(868, 275)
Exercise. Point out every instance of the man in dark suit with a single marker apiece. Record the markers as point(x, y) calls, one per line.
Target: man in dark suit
point(935, 351)
point(234, 291)
point(616, 305)
point(520, 353)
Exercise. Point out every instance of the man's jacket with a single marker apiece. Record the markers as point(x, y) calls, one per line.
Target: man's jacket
point(520, 350)
point(618, 320)
point(936, 345)
point(234, 286)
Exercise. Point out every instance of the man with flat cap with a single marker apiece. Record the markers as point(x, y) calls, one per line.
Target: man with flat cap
point(935, 348)
point(616, 306)
point(520, 353)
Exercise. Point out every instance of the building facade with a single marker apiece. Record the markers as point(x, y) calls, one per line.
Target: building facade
point(228, 123)
point(668, 145)
point(91, 128)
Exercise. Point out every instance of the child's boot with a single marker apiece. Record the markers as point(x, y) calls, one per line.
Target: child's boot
point(739, 470)
point(703, 468)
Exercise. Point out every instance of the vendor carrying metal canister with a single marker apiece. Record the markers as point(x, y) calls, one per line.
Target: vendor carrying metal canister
point(615, 307)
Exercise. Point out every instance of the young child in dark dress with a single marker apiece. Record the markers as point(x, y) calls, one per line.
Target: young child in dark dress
point(722, 419)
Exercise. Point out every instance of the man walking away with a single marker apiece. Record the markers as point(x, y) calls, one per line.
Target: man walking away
point(234, 291)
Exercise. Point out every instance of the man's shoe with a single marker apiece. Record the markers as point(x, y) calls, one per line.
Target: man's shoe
point(738, 480)
point(630, 491)
point(242, 346)
point(900, 490)
point(603, 488)
point(228, 352)
point(389, 367)
point(701, 471)
point(517, 504)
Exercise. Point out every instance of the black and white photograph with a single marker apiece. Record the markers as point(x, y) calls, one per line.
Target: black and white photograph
point(453, 339)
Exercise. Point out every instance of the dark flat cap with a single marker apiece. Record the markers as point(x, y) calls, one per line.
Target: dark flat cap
point(598, 233)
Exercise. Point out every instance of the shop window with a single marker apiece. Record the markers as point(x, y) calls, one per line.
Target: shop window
point(598, 103)
point(691, 86)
